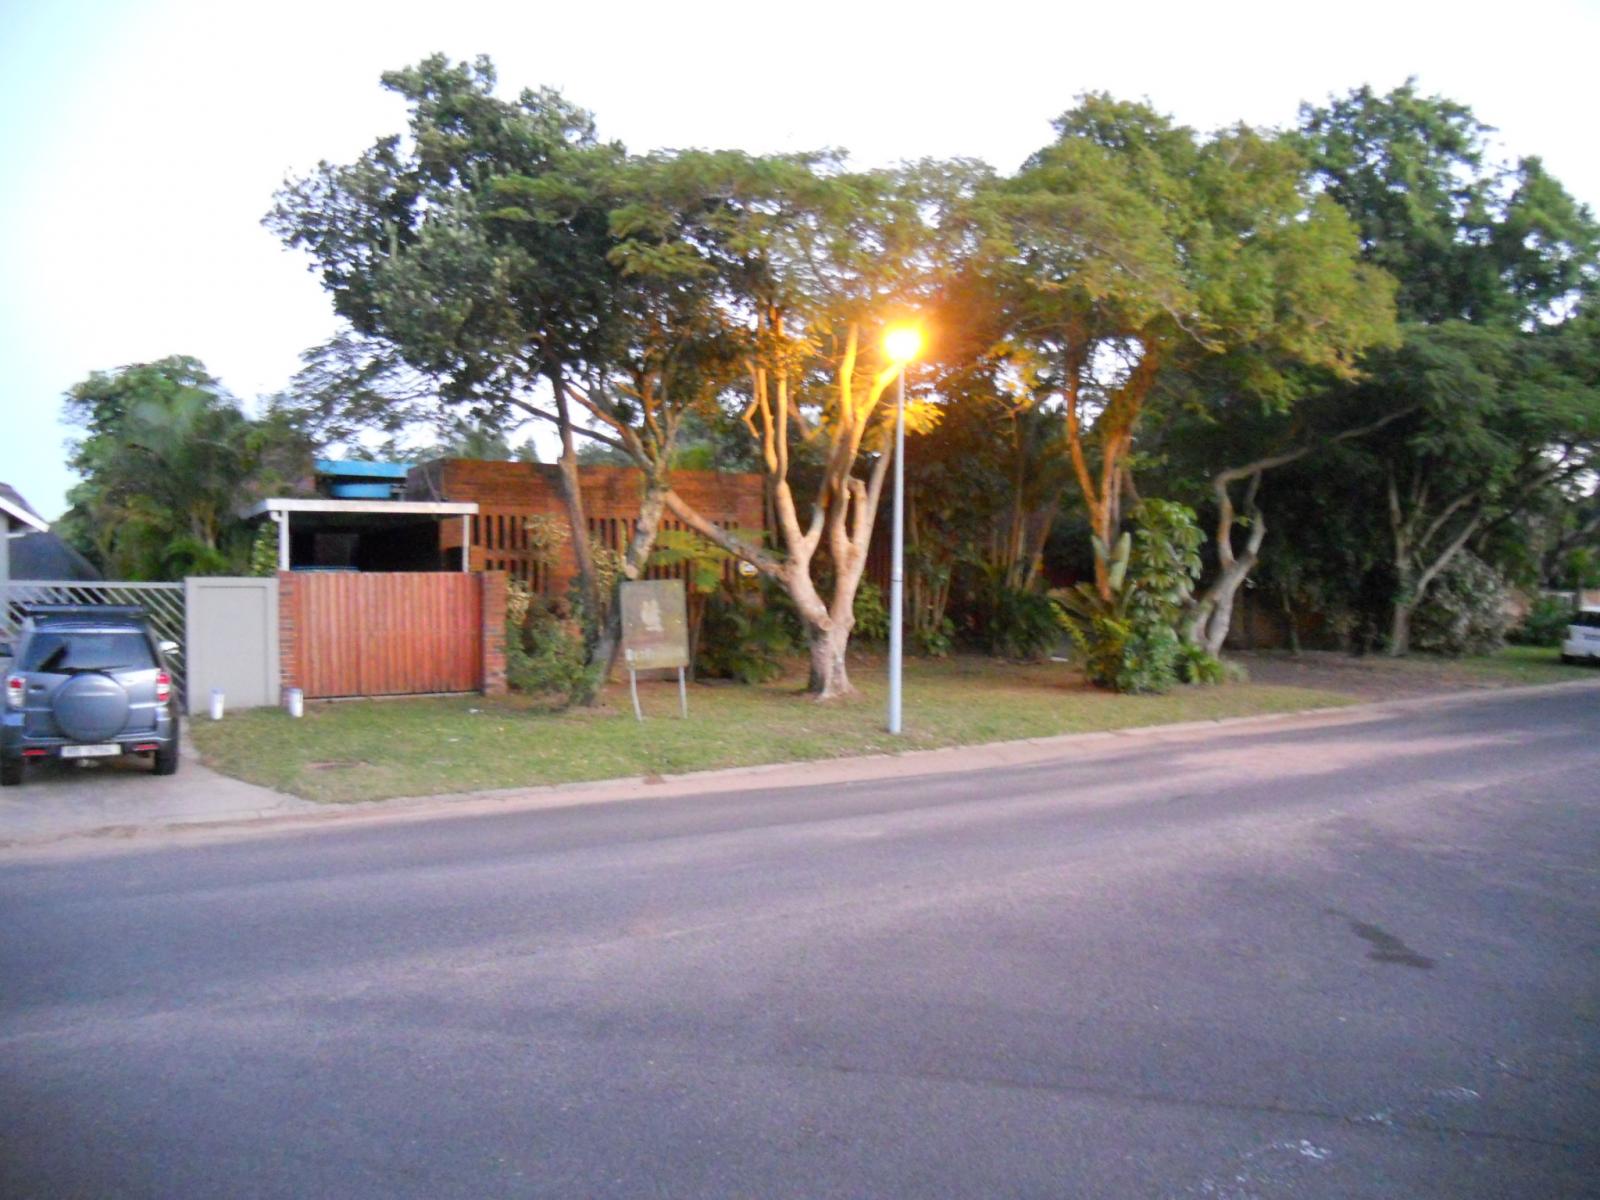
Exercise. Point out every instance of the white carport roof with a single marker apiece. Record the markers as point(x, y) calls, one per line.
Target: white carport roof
point(394, 508)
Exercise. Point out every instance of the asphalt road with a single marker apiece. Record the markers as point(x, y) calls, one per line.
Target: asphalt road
point(1348, 958)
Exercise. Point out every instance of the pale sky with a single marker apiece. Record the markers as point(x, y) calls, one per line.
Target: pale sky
point(143, 140)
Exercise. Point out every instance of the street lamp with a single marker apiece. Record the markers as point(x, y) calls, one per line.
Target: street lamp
point(901, 343)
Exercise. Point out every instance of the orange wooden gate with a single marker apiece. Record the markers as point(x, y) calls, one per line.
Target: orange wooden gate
point(388, 635)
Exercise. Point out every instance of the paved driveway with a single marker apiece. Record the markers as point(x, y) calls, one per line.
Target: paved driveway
point(1345, 958)
point(119, 796)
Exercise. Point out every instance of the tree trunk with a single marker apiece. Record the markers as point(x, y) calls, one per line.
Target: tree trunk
point(1222, 613)
point(640, 544)
point(572, 498)
point(1400, 629)
point(830, 678)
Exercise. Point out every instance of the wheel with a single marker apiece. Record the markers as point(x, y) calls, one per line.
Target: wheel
point(10, 772)
point(1568, 659)
point(167, 759)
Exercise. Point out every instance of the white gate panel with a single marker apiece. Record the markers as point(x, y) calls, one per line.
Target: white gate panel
point(233, 640)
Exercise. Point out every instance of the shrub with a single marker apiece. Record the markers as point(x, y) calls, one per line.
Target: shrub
point(1195, 665)
point(934, 642)
point(871, 614)
point(744, 637)
point(1017, 624)
point(1465, 612)
point(545, 655)
point(1546, 623)
point(1129, 643)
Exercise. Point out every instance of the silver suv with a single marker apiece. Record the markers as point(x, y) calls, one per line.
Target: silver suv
point(86, 681)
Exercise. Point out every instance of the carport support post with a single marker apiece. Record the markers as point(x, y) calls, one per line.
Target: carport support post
point(281, 520)
point(466, 542)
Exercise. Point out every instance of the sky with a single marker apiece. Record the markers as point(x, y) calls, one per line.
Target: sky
point(143, 139)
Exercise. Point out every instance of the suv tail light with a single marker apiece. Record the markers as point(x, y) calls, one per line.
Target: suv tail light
point(15, 686)
point(163, 688)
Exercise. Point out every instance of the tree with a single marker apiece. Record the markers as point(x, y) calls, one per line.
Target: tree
point(167, 462)
point(1220, 448)
point(426, 246)
point(1494, 265)
point(1131, 246)
point(1467, 239)
point(808, 263)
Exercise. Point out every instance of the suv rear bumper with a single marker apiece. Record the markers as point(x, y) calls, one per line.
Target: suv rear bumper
point(16, 742)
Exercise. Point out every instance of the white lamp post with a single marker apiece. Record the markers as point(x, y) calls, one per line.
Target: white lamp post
point(902, 344)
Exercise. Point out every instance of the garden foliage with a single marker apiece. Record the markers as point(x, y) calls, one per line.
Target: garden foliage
point(1130, 643)
point(545, 654)
point(1465, 612)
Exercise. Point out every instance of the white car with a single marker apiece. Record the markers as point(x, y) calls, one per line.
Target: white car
point(1583, 637)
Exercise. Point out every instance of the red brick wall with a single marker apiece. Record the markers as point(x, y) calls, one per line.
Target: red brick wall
point(509, 492)
point(494, 633)
point(288, 630)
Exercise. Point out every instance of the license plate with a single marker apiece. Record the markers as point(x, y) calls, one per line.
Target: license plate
point(103, 750)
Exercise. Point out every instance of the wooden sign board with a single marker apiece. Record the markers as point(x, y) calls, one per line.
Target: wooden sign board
point(655, 625)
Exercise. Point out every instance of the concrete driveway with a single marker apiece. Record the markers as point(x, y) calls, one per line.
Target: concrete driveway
point(118, 797)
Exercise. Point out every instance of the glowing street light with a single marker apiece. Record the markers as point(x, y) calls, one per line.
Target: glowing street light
point(902, 344)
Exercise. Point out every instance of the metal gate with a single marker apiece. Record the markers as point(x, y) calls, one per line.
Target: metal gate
point(386, 634)
point(162, 601)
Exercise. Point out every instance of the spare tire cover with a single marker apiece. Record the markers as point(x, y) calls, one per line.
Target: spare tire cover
point(91, 707)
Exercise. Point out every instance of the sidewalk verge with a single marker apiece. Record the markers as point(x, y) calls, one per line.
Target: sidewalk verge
point(290, 815)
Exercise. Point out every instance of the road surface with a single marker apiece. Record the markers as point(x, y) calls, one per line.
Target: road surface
point(1356, 956)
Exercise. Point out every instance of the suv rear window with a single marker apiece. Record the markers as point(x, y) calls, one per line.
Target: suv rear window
point(68, 651)
point(1589, 619)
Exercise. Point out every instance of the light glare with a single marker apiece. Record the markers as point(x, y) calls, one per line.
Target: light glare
point(902, 343)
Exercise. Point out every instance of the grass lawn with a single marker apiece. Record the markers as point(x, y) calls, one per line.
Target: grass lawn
point(1527, 664)
point(369, 750)
point(1377, 677)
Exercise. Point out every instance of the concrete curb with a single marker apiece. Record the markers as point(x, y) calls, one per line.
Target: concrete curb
point(948, 760)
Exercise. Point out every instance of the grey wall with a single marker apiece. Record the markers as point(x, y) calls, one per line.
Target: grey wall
point(232, 635)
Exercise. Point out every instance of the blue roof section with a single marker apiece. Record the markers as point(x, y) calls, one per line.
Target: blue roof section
point(351, 468)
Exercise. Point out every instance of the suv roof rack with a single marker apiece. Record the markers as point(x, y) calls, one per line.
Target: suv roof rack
point(116, 613)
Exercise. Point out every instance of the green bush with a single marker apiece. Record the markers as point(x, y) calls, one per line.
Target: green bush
point(871, 614)
point(1129, 643)
point(1195, 665)
point(1546, 623)
point(1013, 623)
point(1465, 612)
point(936, 642)
point(545, 656)
point(744, 636)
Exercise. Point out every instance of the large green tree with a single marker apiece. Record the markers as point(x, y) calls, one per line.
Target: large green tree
point(167, 461)
point(522, 267)
point(807, 262)
point(1132, 246)
point(1494, 264)
point(426, 245)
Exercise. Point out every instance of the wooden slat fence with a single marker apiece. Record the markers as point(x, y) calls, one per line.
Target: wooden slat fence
point(388, 634)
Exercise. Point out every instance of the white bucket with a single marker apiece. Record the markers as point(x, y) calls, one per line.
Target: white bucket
point(294, 699)
point(216, 704)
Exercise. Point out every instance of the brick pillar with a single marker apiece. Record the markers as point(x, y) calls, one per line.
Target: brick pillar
point(288, 630)
point(494, 633)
